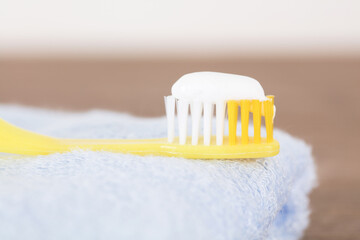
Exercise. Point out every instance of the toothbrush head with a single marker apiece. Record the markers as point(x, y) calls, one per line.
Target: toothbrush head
point(204, 92)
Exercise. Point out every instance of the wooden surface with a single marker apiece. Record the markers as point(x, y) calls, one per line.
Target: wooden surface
point(317, 100)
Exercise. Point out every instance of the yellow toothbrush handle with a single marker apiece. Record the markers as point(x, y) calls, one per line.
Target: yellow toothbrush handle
point(19, 141)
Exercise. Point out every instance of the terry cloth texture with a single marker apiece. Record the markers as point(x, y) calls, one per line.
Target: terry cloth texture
point(103, 195)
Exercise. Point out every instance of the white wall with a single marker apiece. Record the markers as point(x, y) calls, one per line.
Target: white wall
point(179, 27)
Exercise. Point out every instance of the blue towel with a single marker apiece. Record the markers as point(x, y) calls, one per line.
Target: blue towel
point(103, 195)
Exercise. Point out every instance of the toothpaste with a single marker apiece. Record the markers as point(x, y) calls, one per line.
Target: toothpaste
point(213, 87)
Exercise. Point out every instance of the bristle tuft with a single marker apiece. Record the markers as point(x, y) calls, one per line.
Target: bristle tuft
point(196, 110)
point(220, 119)
point(208, 114)
point(232, 107)
point(182, 110)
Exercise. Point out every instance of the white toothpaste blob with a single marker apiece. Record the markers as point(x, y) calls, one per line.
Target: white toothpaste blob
point(215, 86)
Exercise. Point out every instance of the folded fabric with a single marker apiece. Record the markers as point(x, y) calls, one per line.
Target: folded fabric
point(103, 195)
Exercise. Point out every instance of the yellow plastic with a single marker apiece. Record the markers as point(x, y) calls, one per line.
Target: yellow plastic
point(19, 141)
point(269, 116)
point(257, 120)
point(245, 108)
point(232, 117)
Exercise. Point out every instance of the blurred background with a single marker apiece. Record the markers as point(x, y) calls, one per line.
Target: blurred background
point(125, 55)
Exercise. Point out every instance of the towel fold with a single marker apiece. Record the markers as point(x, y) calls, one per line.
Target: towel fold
point(103, 195)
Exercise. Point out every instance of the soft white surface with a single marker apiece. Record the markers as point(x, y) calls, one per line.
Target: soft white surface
point(102, 195)
point(179, 27)
point(212, 87)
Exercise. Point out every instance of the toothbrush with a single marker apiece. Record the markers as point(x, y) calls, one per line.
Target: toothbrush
point(201, 92)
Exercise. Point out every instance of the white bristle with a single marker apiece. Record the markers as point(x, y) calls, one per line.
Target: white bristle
point(182, 110)
point(220, 119)
point(208, 114)
point(196, 109)
point(170, 116)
